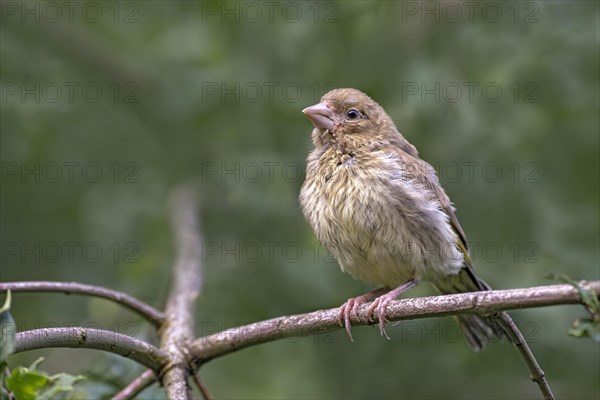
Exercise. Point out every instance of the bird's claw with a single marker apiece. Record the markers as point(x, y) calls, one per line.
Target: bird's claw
point(348, 309)
point(344, 317)
point(378, 308)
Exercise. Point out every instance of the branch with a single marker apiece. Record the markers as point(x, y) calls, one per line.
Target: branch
point(97, 339)
point(135, 305)
point(489, 302)
point(177, 332)
point(516, 337)
point(147, 378)
point(202, 388)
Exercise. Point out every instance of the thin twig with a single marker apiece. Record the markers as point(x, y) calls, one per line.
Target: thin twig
point(147, 378)
point(203, 389)
point(486, 303)
point(87, 338)
point(178, 330)
point(537, 375)
point(135, 305)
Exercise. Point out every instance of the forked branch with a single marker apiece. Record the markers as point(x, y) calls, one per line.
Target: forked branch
point(486, 303)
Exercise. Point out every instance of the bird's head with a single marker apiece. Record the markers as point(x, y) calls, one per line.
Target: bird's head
point(348, 112)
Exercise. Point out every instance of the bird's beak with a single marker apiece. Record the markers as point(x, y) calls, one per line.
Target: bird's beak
point(321, 116)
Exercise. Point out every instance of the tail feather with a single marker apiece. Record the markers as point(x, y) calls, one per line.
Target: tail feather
point(477, 330)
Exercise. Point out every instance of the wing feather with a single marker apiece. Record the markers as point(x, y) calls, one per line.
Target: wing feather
point(425, 174)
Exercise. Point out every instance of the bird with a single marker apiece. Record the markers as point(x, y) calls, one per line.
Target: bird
point(380, 210)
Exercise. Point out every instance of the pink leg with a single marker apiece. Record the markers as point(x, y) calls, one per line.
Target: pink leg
point(351, 306)
point(379, 305)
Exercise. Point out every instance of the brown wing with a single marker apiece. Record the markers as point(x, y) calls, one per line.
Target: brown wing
point(425, 174)
point(430, 179)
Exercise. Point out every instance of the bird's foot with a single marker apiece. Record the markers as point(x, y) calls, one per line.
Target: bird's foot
point(379, 306)
point(350, 307)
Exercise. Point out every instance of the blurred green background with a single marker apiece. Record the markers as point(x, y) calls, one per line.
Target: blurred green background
point(106, 106)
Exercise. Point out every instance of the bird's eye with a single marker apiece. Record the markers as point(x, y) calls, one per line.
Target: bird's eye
point(352, 114)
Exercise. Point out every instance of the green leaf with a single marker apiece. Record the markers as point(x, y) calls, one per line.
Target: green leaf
point(6, 305)
point(24, 383)
point(585, 327)
point(28, 383)
point(8, 330)
point(35, 364)
point(59, 383)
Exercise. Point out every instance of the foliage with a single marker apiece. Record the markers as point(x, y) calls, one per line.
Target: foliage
point(30, 383)
point(584, 327)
